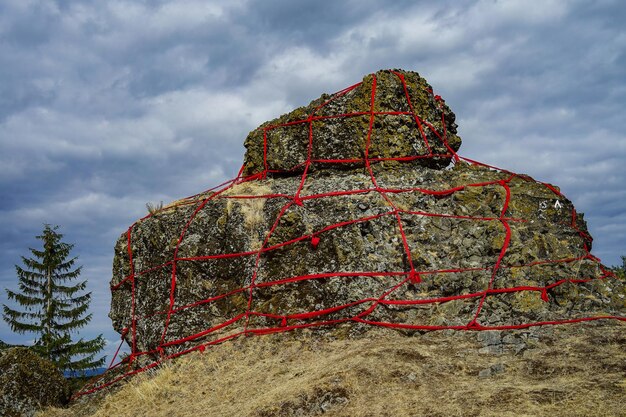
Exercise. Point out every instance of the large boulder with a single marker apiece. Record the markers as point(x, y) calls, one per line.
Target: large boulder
point(351, 212)
point(29, 383)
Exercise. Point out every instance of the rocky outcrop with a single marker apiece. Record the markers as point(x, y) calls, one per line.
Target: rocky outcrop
point(29, 383)
point(356, 211)
point(409, 126)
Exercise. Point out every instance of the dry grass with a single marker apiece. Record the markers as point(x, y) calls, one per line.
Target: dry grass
point(577, 370)
point(251, 209)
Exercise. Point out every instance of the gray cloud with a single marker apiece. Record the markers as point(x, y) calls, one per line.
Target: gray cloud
point(105, 106)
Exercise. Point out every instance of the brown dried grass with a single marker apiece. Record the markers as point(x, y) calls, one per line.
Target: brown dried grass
point(572, 370)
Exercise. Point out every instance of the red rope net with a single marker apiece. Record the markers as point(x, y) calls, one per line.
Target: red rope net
point(358, 311)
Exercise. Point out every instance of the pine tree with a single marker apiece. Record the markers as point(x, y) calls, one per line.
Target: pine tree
point(52, 307)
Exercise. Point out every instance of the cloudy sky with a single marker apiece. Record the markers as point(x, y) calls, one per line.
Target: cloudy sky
point(108, 105)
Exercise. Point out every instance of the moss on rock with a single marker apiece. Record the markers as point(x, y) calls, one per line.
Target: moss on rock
point(28, 383)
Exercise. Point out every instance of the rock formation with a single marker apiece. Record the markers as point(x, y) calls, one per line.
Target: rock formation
point(29, 383)
point(356, 211)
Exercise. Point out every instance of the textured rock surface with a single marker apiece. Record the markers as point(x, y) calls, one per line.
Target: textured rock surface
point(397, 132)
point(28, 383)
point(356, 243)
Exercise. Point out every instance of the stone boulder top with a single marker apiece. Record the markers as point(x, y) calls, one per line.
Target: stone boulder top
point(392, 116)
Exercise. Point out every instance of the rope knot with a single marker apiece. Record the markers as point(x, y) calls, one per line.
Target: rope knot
point(414, 277)
point(474, 325)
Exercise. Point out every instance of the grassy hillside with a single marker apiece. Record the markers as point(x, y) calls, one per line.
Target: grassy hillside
point(574, 370)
